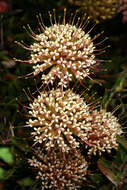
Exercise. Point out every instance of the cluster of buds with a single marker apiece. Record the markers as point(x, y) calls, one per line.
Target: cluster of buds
point(63, 119)
point(57, 117)
point(102, 132)
point(98, 10)
point(63, 52)
point(66, 50)
point(58, 171)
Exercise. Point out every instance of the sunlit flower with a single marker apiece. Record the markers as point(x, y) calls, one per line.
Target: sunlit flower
point(59, 172)
point(98, 9)
point(64, 51)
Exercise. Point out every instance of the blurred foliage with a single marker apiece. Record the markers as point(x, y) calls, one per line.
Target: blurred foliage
point(108, 172)
point(116, 170)
point(5, 155)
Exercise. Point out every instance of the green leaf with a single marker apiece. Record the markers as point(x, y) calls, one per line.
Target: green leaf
point(105, 169)
point(118, 86)
point(9, 173)
point(6, 155)
point(2, 173)
point(120, 81)
point(123, 142)
point(25, 181)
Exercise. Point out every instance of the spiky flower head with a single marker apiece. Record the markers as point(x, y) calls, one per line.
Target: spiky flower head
point(98, 9)
point(58, 172)
point(102, 132)
point(57, 118)
point(62, 119)
point(62, 51)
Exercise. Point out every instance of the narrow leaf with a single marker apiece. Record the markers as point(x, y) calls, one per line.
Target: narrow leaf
point(123, 142)
point(107, 172)
point(1, 173)
point(26, 181)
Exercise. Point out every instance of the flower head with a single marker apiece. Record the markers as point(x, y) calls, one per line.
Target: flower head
point(102, 132)
point(58, 118)
point(98, 10)
point(58, 172)
point(62, 119)
point(62, 51)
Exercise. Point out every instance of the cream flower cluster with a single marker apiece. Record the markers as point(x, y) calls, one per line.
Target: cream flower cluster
point(102, 132)
point(98, 10)
point(57, 118)
point(57, 172)
point(62, 52)
point(62, 119)
point(66, 51)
